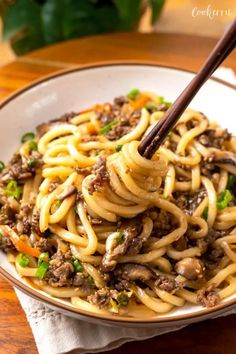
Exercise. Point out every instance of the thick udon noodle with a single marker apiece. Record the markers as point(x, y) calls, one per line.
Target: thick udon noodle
point(135, 185)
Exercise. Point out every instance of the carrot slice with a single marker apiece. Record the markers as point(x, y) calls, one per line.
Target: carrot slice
point(24, 248)
point(140, 102)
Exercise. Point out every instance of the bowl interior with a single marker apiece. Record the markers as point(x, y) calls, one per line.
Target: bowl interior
point(78, 89)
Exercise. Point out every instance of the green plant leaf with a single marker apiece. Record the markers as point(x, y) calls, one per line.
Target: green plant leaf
point(22, 26)
point(129, 12)
point(157, 6)
point(52, 20)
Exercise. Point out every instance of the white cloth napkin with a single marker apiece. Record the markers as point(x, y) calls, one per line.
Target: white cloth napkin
point(55, 333)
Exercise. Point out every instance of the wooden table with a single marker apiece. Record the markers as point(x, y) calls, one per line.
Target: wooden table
point(213, 336)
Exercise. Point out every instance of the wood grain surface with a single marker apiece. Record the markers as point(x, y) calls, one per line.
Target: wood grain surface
point(211, 337)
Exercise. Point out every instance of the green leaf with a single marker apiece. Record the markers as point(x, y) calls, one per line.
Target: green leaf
point(129, 12)
point(52, 21)
point(157, 6)
point(22, 26)
point(223, 199)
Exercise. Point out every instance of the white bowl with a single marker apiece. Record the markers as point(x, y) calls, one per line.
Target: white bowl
point(79, 88)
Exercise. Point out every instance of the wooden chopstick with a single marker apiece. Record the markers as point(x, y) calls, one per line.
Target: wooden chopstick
point(157, 135)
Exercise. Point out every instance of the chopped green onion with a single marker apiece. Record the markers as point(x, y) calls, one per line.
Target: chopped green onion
point(133, 94)
point(170, 134)
point(42, 270)
point(2, 166)
point(231, 181)
point(77, 265)
point(118, 147)
point(44, 257)
point(90, 282)
point(223, 199)
point(120, 238)
point(23, 260)
point(13, 190)
point(33, 146)
point(27, 136)
point(104, 130)
point(205, 213)
point(122, 299)
point(168, 104)
point(114, 306)
point(151, 107)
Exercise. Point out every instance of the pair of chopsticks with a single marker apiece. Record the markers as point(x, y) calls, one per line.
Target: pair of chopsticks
point(157, 135)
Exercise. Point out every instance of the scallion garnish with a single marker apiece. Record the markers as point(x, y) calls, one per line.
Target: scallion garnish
point(205, 213)
point(43, 264)
point(231, 181)
point(122, 298)
point(27, 136)
point(168, 104)
point(2, 166)
point(91, 282)
point(33, 146)
point(23, 260)
point(133, 94)
point(13, 190)
point(77, 265)
point(42, 270)
point(151, 107)
point(223, 199)
point(32, 162)
point(118, 147)
point(104, 130)
point(120, 238)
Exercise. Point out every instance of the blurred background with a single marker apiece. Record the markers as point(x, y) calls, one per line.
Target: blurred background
point(27, 25)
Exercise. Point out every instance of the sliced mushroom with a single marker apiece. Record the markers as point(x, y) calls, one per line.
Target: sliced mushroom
point(222, 157)
point(133, 271)
point(190, 268)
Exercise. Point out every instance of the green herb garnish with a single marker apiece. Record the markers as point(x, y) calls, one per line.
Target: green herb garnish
point(122, 299)
point(118, 147)
point(223, 199)
point(133, 94)
point(43, 264)
point(90, 282)
point(120, 237)
point(2, 166)
point(58, 203)
point(27, 136)
point(104, 130)
point(205, 213)
point(42, 270)
point(168, 104)
point(13, 190)
point(151, 107)
point(231, 181)
point(23, 260)
point(161, 99)
point(33, 146)
point(77, 265)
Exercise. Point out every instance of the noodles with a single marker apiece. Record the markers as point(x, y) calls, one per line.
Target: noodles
point(86, 218)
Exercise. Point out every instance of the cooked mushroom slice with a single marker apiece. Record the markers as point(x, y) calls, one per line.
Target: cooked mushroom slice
point(222, 157)
point(190, 268)
point(133, 271)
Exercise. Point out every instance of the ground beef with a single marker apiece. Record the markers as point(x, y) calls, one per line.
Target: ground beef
point(16, 170)
point(209, 138)
point(102, 297)
point(122, 114)
point(85, 171)
point(6, 244)
point(43, 128)
point(208, 169)
point(188, 202)
point(181, 244)
point(163, 224)
point(167, 284)
point(101, 176)
point(35, 222)
point(208, 297)
point(7, 216)
point(60, 270)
